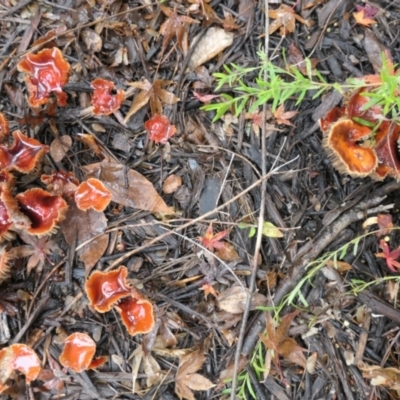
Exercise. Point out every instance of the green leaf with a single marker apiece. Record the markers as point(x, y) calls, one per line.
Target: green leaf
point(270, 230)
point(252, 231)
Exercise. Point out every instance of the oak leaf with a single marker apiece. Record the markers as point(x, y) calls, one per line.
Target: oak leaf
point(212, 241)
point(175, 25)
point(283, 117)
point(390, 256)
point(187, 379)
point(284, 19)
point(153, 93)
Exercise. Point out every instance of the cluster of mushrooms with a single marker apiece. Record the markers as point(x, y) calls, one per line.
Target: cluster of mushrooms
point(362, 142)
point(38, 212)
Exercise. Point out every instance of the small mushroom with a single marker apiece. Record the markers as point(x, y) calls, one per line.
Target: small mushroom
point(104, 102)
point(18, 357)
point(4, 129)
point(78, 352)
point(23, 155)
point(136, 314)
point(48, 72)
point(104, 289)
point(348, 155)
point(355, 107)
point(43, 209)
point(160, 128)
point(332, 116)
point(61, 183)
point(92, 194)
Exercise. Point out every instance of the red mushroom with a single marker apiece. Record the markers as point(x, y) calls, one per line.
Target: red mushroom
point(61, 183)
point(92, 194)
point(43, 209)
point(103, 101)
point(23, 155)
point(48, 72)
point(137, 315)
point(356, 108)
point(78, 352)
point(104, 289)
point(332, 116)
point(348, 155)
point(160, 128)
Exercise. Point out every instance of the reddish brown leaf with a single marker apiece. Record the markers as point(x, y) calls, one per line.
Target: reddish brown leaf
point(128, 188)
point(212, 241)
point(390, 256)
point(385, 223)
point(283, 117)
point(59, 147)
point(362, 19)
point(284, 19)
point(82, 226)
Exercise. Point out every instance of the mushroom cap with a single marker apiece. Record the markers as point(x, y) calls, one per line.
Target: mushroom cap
point(355, 107)
point(4, 129)
point(23, 155)
point(103, 101)
point(104, 289)
point(6, 369)
point(43, 209)
point(137, 315)
point(160, 128)
point(332, 116)
point(48, 72)
point(347, 155)
point(78, 352)
point(60, 183)
point(4, 263)
point(26, 361)
point(92, 194)
point(98, 362)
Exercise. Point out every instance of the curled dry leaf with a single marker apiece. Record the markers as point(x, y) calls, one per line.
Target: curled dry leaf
point(59, 147)
point(82, 226)
point(187, 379)
point(128, 188)
point(389, 377)
point(284, 19)
point(171, 184)
point(210, 45)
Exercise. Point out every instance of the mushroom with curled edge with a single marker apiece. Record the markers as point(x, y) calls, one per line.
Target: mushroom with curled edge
point(92, 194)
point(104, 289)
point(78, 352)
point(47, 72)
point(343, 144)
point(4, 129)
point(23, 155)
point(160, 128)
point(43, 209)
point(136, 314)
point(104, 102)
point(18, 357)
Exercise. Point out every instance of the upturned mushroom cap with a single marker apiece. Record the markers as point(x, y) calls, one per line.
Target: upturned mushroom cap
point(347, 154)
point(104, 289)
point(61, 183)
point(356, 104)
point(160, 128)
point(23, 155)
point(136, 314)
point(78, 352)
point(92, 194)
point(43, 209)
point(4, 129)
point(332, 116)
point(48, 72)
point(103, 101)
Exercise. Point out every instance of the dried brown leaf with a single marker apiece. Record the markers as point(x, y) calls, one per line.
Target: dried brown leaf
point(59, 147)
point(233, 300)
point(81, 226)
point(284, 19)
point(128, 188)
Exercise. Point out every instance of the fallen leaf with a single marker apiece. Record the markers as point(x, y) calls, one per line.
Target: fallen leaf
point(207, 288)
point(175, 25)
point(227, 253)
point(59, 147)
point(385, 223)
point(278, 343)
point(207, 11)
point(82, 226)
point(186, 378)
point(153, 93)
point(362, 19)
point(160, 128)
point(128, 187)
point(379, 376)
point(205, 98)
point(270, 230)
point(171, 184)
point(284, 19)
point(296, 60)
point(229, 22)
point(283, 117)
point(212, 241)
point(211, 44)
point(390, 256)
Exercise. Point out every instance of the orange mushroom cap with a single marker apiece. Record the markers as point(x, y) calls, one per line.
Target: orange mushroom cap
point(78, 352)
point(137, 315)
point(103, 101)
point(47, 72)
point(25, 360)
point(104, 289)
point(4, 129)
point(160, 128)
point(60, 183)
point(23, 155)
point(348, 156)
point(18, 357)
point(92, 194)
point(43, 209)
point(355, 107)
point(98, 362)
point(332, 116)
